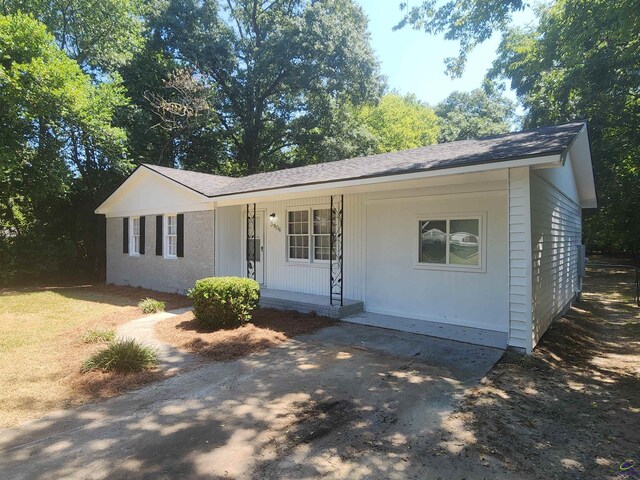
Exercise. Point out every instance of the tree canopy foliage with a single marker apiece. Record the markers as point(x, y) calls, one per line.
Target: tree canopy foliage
point(90, 89)
point(478, 113)
point(273, 69)
point(470, 22)
point(56, 125)
point(581, 61)
point(99, 35)
point(399, 123)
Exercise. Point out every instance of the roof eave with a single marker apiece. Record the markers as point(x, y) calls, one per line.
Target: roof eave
point(548, 160)
point(103, 207)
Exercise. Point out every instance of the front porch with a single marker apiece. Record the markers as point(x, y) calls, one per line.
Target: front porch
point(306, 303)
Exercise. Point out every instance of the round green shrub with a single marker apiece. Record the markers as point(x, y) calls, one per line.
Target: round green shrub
point(150, 305)
point(224, 302)
point(125, 355)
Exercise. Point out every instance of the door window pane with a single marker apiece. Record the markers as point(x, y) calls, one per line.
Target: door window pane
point(433, 241)
point(463, 242)
point(258, 245)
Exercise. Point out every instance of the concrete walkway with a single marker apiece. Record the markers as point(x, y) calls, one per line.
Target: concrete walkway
point(143, 330)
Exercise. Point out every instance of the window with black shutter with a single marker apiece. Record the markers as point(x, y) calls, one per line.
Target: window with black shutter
point(142, 235)
point(180, 235)
point(158, 234)
point(125, 235)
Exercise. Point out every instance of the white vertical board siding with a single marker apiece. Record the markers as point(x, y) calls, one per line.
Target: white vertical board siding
point(556, 230)
point(228, 241)
point(354, 247)
point(519, 259)
point(399, 286)
point(280, 274)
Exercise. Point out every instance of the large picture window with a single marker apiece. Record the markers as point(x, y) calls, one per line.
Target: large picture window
point(450, 241)
point(309, 235)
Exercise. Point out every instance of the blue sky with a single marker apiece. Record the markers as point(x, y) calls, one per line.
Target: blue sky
point(413, 61)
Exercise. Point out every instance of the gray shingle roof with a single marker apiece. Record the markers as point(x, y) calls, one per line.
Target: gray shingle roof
point(500, 148)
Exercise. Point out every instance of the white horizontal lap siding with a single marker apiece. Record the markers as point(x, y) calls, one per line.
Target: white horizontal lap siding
point(556, 230)
point(519, 259)
point(229, 242)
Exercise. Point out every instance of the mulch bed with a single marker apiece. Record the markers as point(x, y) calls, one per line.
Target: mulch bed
point(266, 329)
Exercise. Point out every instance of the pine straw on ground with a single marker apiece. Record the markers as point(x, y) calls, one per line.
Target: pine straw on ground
point(572, 408)
point(41, 349)
point(267, 329)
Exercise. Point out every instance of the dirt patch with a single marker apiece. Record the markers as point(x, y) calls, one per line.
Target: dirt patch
point(570, 410)
point(314, 420)
point(267, 329)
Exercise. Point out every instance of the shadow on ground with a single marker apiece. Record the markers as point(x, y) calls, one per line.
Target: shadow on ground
point(570, 410)
point(348, 402)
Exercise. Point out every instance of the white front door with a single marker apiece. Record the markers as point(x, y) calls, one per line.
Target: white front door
point(260, 247)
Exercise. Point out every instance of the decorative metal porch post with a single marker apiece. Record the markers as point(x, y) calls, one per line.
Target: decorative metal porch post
point(251, 240)
point(336, 243)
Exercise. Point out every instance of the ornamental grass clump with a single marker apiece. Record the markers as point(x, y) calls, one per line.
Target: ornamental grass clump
point(123, 356)
point(150, 305)
point(224, 302)
point(99, 335)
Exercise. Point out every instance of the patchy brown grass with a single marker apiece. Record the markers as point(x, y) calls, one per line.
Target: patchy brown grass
point(572, 409)
point(41, 346)
point(267, 329)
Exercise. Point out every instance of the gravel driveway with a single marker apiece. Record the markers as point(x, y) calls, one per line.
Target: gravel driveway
point(346, 402)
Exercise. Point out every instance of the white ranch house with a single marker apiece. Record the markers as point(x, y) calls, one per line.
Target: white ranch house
point(476, 240)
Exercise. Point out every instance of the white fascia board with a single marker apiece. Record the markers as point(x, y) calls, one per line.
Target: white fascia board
point(181, 208)
point(249, 197)
point(583, 170)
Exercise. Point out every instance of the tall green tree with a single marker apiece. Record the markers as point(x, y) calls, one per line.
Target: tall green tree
point(99, 34)
point(469, 22)
point(583, 62)
point(580, 62)
point(478, 113)
point(399, 123)
point(56, 128)
point(273, 67)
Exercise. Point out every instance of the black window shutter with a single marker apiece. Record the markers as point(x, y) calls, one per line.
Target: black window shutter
point(181, 234)
point(125, 235)
point(158, 234)
point(142, 235)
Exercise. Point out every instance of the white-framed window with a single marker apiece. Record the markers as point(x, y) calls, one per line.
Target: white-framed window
point(309, 235)
point(171, 236)
point(452, 242)
point(321, 235)
point(298, 235)
point(134, 236)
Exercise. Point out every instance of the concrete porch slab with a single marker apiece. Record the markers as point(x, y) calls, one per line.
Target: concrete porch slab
point(476, 336)
point(306, 303)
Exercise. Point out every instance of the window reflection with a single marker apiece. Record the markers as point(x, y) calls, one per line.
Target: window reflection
point(463, 242)
point(433, 241)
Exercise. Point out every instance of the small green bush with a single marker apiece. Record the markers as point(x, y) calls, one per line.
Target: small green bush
point(222, 302)
point(124, 355)
point(99, 335)
point(150, 305)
